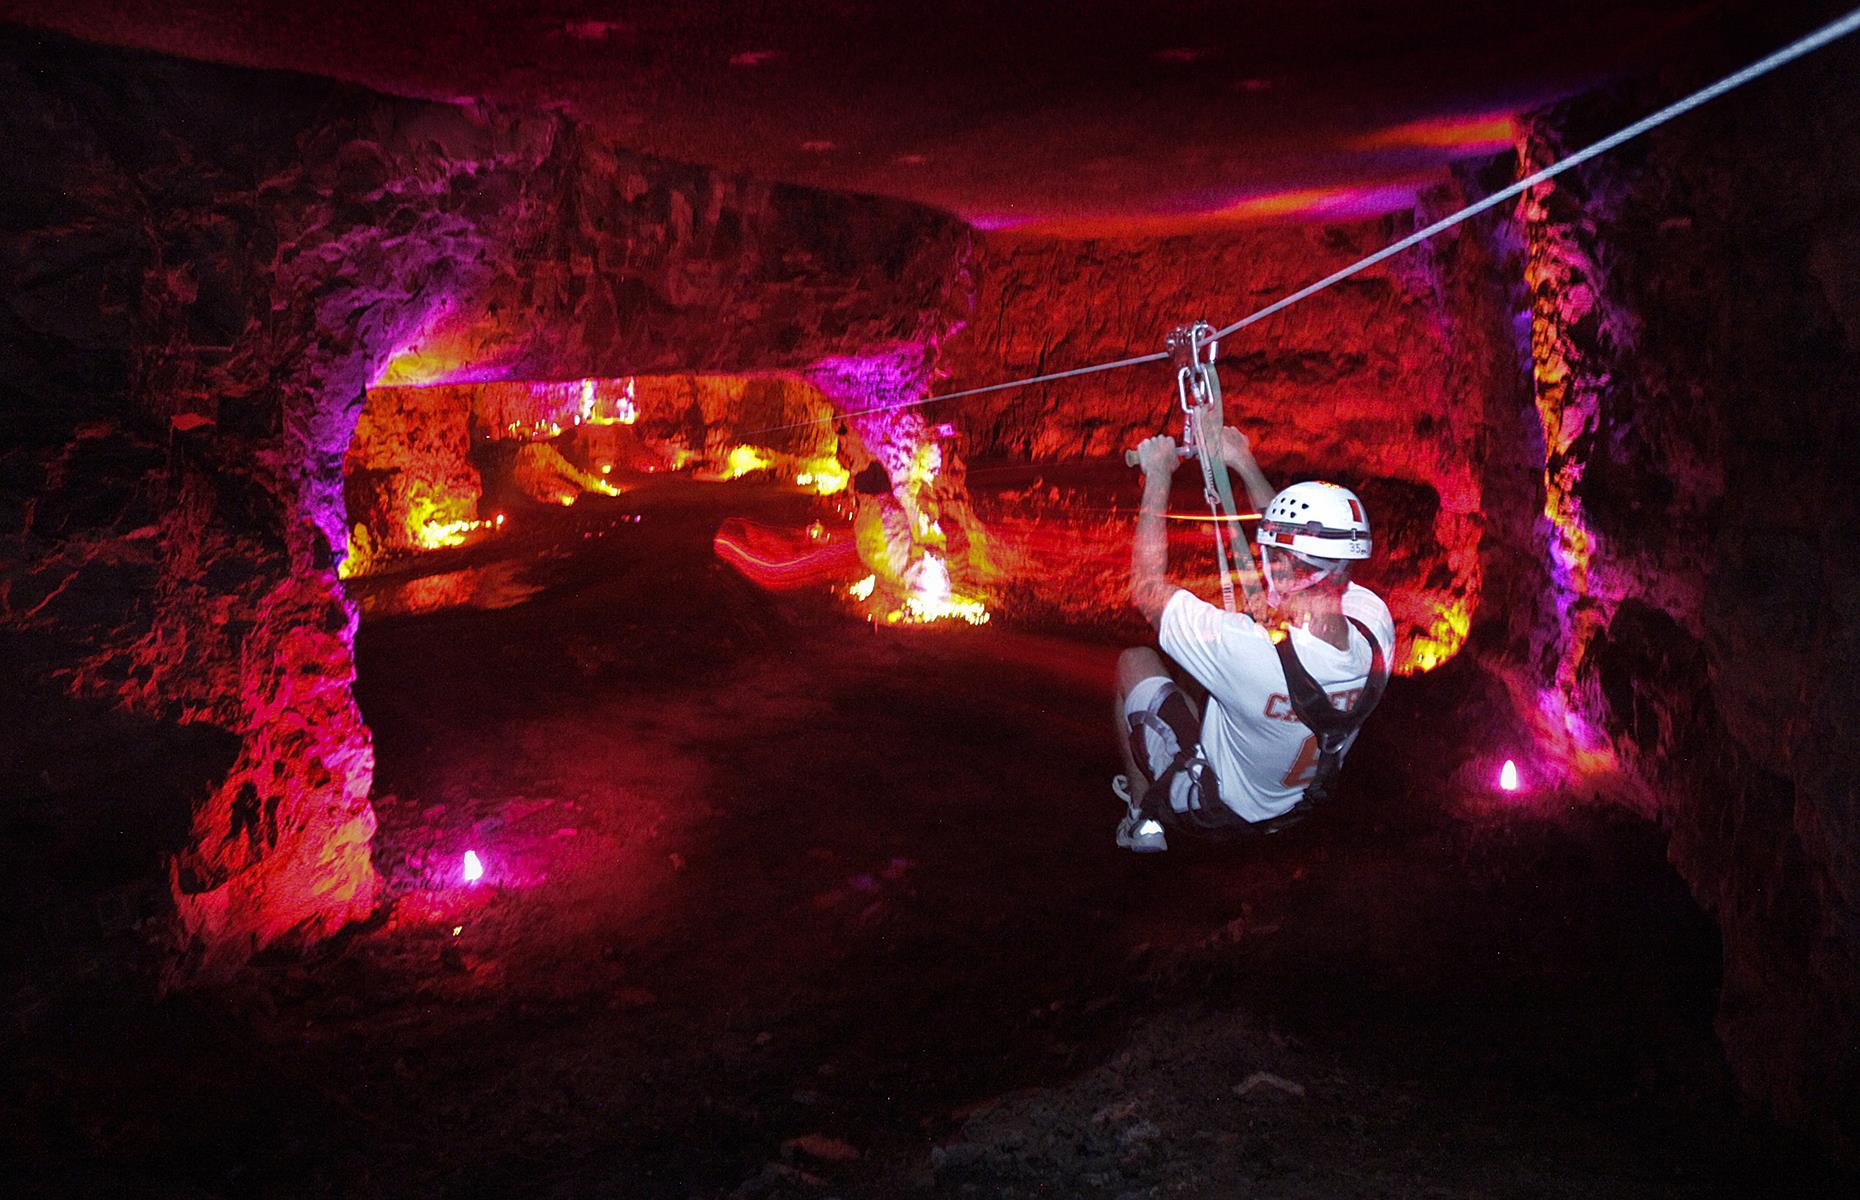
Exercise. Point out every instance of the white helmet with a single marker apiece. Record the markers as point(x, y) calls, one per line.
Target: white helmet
point(1319, 520)
point(1320, 525)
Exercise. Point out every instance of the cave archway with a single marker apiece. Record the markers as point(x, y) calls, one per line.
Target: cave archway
point(343, 240)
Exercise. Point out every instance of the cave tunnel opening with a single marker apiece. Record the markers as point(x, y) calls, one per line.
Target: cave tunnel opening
point(441, 475)
point(527, 692)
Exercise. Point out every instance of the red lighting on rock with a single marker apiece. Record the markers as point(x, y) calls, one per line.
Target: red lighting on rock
point(474, 867)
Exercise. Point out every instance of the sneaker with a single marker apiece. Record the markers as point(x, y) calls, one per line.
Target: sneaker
point(1141, 836)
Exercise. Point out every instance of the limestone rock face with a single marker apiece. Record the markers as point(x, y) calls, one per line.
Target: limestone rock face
point(409, 467)
point(203, 271)
point(658, 268)
point(1396, 415)
point(1695, 352)
point(415, 477)
point(709, 416)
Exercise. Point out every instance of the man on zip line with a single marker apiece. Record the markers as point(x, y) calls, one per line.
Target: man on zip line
point(1284, 703)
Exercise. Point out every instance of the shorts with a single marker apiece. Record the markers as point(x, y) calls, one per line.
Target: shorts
point(1165, 740)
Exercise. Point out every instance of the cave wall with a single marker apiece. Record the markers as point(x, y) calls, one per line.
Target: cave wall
point(1380, 383)
point(1695, 346)
point(408, 467)
point(204, 269)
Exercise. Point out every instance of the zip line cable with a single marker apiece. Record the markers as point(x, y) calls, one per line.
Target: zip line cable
point(1159, 356)
point(1789, 53)
point(1831, 32)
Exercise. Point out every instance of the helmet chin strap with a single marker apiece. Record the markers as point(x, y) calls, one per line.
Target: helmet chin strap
point(1307, 581)
point(1280, 594)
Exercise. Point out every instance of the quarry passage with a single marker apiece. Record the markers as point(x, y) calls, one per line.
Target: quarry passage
point(522, 677)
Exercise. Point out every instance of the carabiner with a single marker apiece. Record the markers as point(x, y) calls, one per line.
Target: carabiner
point(1185, 345)
point(1183, 387)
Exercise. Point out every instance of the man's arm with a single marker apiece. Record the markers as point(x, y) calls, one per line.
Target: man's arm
point(1237, 453)
point(1149, 554)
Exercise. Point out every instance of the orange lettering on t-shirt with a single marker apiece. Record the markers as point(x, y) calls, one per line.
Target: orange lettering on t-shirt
point(1304, 768)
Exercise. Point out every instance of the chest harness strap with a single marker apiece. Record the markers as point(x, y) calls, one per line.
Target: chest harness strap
point(1207, 814)
point(1331, 725)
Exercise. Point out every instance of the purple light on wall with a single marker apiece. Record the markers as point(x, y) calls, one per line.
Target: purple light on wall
point(995, 222)
point(872, 391)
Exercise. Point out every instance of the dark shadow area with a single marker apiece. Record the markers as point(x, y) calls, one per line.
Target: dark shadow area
point(97, 800)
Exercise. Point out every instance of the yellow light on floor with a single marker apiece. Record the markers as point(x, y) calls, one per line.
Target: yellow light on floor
point(742, 460)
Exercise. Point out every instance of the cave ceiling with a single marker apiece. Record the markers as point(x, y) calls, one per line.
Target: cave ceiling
point(1058, 116)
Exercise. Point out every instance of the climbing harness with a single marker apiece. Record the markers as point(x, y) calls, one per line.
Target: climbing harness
point(1193, 349)
point(1808, 44)
point(1207, 816)
point(1302, 518)
point(1333, 727)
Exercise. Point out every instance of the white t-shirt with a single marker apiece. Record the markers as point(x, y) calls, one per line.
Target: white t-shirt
point(1261, 752)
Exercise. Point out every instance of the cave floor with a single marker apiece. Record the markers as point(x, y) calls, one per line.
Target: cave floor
point(777, 905)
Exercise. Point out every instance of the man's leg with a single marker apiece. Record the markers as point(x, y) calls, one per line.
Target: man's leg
point(1154, 698)
point(1133, 667)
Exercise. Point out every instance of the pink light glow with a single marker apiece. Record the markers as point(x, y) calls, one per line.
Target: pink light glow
point(1508, 777)
point(1327, 203)
point(995, 222)
point(474, 867)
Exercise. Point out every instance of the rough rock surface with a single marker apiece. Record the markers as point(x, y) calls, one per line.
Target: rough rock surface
point(419, 455)
point(1695, 346)
point(1397, 415)
point(206, 268)
point(408, 465)
point(709, 415)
